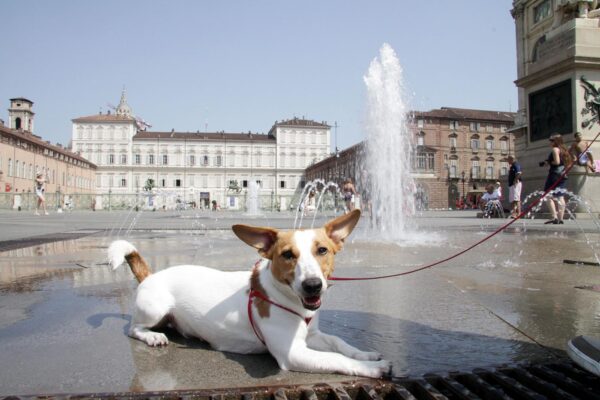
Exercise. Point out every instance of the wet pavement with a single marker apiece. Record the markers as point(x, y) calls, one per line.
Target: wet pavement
point(64, 314)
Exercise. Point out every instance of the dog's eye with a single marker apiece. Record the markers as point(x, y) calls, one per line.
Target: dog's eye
point(288, 255)
point(322, 251)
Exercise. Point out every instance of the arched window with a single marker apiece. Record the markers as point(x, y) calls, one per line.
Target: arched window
point(18, 123)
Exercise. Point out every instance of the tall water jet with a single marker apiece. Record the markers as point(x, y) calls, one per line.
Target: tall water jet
point(389, 146)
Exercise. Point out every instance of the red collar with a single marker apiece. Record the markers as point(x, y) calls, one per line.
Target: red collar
point(255, 293)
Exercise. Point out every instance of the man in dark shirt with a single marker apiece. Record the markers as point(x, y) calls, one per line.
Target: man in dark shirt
point(514, 186)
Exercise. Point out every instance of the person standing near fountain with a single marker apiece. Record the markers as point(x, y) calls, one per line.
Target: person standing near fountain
point(514, 186)
point(558, 158)
point(40, 188)
point(349, 192)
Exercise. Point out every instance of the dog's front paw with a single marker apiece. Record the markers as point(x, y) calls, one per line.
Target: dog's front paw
point(377, 369)
point(156, 339)
point(367, 356)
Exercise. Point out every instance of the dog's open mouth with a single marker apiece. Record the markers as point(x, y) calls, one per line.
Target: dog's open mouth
point(311, 302)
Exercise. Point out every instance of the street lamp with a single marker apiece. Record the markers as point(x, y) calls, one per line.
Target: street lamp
point(462, 174)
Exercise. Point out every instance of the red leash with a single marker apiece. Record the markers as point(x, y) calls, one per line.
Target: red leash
point(255, 293)
point(497, 231)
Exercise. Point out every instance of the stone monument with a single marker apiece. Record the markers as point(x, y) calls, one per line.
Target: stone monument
point(558, 43)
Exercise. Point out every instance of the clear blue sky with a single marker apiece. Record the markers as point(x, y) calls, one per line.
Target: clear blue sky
point(242, 65)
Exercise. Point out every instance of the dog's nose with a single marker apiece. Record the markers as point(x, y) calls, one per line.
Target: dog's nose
point(312, 286)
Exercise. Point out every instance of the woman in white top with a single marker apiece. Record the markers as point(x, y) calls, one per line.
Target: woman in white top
point(40, 188)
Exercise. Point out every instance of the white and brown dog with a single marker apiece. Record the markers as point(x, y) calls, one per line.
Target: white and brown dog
point(271, 308)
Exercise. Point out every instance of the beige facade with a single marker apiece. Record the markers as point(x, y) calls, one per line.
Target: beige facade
point(457, 153)
point(558, 43)
point(23, 154)
point(198, 167)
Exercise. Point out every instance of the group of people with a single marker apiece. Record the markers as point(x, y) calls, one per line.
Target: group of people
point(558, 159)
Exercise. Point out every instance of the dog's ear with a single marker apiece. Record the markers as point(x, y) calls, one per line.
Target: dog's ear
point(259, 238)
point(338, 229)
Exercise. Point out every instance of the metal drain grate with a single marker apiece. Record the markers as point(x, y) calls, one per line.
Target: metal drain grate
point(537, 381)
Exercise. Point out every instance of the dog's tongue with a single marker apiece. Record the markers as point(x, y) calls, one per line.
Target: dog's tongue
point(313, 300)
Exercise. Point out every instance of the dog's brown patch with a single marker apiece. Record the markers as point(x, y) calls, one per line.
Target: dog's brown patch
point(326, 261)
point(139, 267)
point(261, 305)
point(284, 268)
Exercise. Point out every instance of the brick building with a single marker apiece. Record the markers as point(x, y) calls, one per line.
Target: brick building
point(457, 152)
point(23, 154)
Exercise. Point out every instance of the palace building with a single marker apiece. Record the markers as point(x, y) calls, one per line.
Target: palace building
point(199, 167)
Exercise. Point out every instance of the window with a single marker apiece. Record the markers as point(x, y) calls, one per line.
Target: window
point(111, 158)
point(489, 128)
point(504, 146)
point(177, 182)
point(452, 172)
point(138, 159)
point(219, 161)
point(424, 161)
point(420, 123)
point(245, 183)
point(151, 159)
point(489, 145)
point(503, 168)
point(205, 160)
point(474, 126)
point(453, 125)
point(123, 158)
point(475, 169)
point(453, 141)
point(489, 170)
point(123, 182)
point(542, 11)
point(163, 182)
point(165, 159)
point(420, 139)
point(282, 184)
point(192, 160)
point(502, 128)
point(474, 144)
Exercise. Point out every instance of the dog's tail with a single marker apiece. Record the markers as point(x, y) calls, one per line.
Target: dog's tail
point(121, 251)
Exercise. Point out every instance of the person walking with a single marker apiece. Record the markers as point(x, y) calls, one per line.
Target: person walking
point(40, 188)
point(515, 186)
point(558, 158)
point(349, 191)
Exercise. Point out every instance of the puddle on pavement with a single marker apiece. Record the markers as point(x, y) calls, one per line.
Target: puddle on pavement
point(470, 312)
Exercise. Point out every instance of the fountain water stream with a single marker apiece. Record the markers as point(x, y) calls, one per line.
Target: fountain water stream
point(389, 147)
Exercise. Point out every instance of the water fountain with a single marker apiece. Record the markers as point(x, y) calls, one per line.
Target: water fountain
point(389, 147)
point(252, 199)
